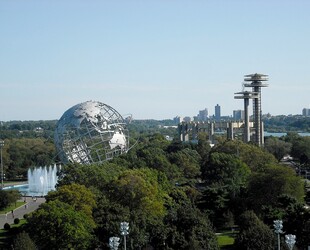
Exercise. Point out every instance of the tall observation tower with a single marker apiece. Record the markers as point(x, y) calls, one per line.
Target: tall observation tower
point(246, 95)
point(256, 82)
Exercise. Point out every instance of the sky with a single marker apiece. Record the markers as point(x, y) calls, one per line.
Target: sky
point(151, 59)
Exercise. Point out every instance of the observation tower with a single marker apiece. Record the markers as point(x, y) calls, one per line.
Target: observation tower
point(246, 95)
point(256, 82)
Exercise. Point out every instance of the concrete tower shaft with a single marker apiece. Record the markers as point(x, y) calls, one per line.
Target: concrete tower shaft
point(256, 82)
point(246, 95)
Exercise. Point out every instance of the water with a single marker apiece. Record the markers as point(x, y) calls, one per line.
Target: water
point(41, 180)
point(283, 134)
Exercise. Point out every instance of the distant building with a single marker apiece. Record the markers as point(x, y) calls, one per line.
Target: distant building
point(238, 115)
point(187, 119)
point(203, 115)
point(177, 119)
point(306, 112)
point(217, 113)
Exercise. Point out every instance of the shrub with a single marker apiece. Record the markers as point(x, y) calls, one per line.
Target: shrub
point(16, 221)
point(26, 216)
point(7, 226)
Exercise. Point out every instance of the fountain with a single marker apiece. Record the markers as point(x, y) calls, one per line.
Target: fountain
point(41, 180)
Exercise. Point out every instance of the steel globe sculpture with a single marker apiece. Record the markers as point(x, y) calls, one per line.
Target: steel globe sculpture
point(91, 132)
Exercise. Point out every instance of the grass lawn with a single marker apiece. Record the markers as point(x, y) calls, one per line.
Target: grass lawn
point(12, 207)
point(6, 236)
point(226, 239)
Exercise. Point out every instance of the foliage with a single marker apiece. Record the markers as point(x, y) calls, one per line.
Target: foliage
point(280, 179)
point(4, 199)
point(16, 221)
point(253, 234)
point(139, 189)
point(279, 148)
point(23, 153)
point(282, 123)
point(7, 226)
point(92, 176)
point(188, 161)
point(13, 195)
point(76, 195)
point(253, 156)
point(22, 241)
point(301, 149)
point(186, 227)
point(57, 225)
point(227, 171)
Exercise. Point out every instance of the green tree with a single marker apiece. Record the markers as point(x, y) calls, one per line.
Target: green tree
point(253, 156)
point(226, 170)
point(57, 225)
point(22, 241)
point(301, 149)
point(4, 200)
point(277, 147)
point(76, 195)
point(188, 161)
point(265, 188)
point(185, 227)
point(253, 234)
point(13, 196)
point(92, 176)
point(203, 146)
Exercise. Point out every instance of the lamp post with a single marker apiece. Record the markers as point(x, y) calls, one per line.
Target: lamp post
point(124, 231)
point(290, 240)
point(278, 225)
point(114, 243)
point(2, 174)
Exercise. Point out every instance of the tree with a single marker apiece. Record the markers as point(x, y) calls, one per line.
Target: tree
point(13, 195)
point(226, 170)
point(253, 156)
point(76, 195)
point(253, 234)
point(22, 241)
point(188, 161)
point(277, 147)
point(4, 200)
point(265, 188)
point(91, 176)
point(203, 147)
point(301, 149)
point(185, 227)
point(57, 225)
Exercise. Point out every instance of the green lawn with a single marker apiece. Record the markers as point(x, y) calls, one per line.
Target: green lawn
point(12, 207)
point(226, 239)
point(6, 236)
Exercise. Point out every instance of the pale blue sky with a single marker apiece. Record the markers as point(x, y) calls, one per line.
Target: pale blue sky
point(152, 59)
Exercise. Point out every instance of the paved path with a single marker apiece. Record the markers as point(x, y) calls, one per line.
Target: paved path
point(29, 206)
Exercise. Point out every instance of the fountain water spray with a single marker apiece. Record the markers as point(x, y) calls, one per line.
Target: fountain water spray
point(41, 180)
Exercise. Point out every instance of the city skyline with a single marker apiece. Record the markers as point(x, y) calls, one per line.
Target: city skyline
point(154, 59)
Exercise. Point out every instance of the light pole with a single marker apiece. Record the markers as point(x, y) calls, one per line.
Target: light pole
point(124, 231)
point(290, 240)
point(278, 225)
point(114, 243)
point(2, 174)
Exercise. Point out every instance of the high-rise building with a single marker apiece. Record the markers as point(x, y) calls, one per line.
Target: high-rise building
point(238, 115)
point(203, 115)
point(217, 112)
point(306, 112)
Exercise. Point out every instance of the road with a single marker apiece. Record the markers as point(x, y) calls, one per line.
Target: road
point(29, 206)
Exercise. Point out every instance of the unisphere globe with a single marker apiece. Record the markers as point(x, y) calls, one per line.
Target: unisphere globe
point(91, 132)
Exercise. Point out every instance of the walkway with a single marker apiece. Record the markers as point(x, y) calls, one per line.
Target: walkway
point(29, 206)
